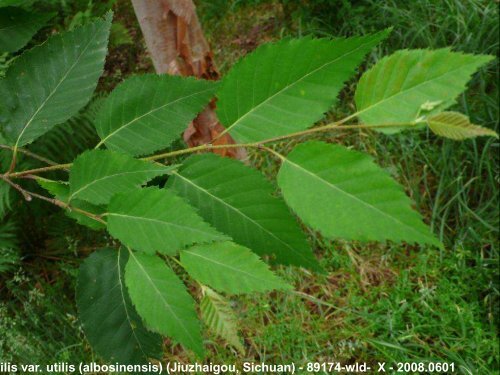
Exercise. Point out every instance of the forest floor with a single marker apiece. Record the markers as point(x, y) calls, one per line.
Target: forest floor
point(377, 302)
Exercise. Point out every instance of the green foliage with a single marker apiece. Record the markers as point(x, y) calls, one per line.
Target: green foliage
point(230, 268)
point(409, 84)
point(104, 306)
point(38, 320)
point(154, 219)
point(60, 190)
point(237, 200)
point(9, 247)
point(18, 26)
point(119, 35)
point(97, 175)
point(287, 86)
point(9, 257)
point(70, 64)
point(220, 318)
point(456, 126)
point(344, 194)
point(5, 198)
point(147, 113)
point(66, 141)
point(280, 89)
point(161, 299)
point(9, 3)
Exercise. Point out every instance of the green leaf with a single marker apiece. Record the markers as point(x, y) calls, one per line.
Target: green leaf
point(17, 3)
point(60, 190)
point(286, 86)
point(66, 141)
point(5, 198)
point(220, 318)
point(230, 268)
point(162, 300)
point(18, 26)
point(99, 174)
point(110, 322)
point(147, 113)
point(153, 220)
point(408, 84)
point(238, 200)
point(51, 82)
point(344, 194)
point(456, 126)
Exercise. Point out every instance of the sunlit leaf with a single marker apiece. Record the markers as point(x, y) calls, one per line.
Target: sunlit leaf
point(409, 84)
point(220, 318)
point(287, 86)
point(344, 194)
point(231, 268)
point(154, 219)
point(457, 126)
point(147, 113)
point(99, 174)
point(162, 301)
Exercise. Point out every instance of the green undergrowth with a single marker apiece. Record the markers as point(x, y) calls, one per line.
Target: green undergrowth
point(383, 306)
point(38, 321)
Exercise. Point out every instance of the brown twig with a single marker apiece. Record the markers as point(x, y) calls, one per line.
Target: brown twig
point(207, 147)
point(23, 192)
point(40, 170)
point(29, 195)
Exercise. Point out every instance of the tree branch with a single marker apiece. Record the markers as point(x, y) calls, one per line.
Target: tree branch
point(29, 195)
point(55, 167)
point(208, 147)
point(259, 144)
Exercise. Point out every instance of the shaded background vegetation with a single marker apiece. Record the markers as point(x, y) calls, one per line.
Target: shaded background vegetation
point(377, 303)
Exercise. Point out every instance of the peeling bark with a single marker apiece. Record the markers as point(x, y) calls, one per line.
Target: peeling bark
point(176, 43)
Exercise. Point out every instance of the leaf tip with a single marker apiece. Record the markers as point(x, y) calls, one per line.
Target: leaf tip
point(108, 17)
point(284, 286)
point(387, 31)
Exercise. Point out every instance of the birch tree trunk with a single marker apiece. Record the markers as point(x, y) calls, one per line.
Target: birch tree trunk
point(176, 43)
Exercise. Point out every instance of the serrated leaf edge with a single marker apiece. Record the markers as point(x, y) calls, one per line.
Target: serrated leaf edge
point(228, 129)
point(430, 235)
point(122, 288)
point(107, 19)
point(239, 212)
point(229, 334)
point(160, 296)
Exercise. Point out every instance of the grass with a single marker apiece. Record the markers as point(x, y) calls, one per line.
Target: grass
point(377, 303)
